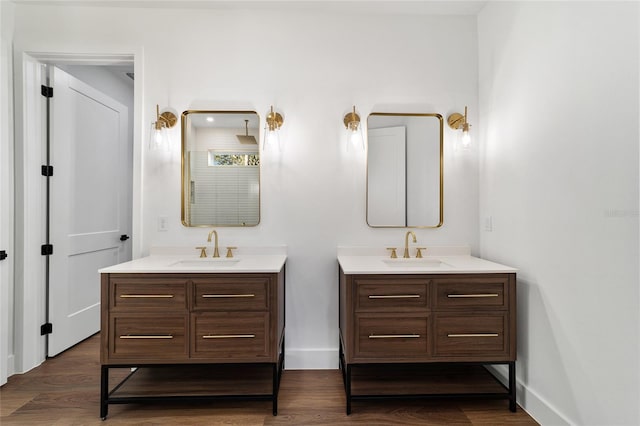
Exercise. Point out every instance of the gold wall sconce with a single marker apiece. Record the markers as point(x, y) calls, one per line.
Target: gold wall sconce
point(274, 121)
point(354, 130)
point(458, 121)
point(159, 136)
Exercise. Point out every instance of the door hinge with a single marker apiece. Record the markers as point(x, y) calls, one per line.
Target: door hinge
point(3, 255)
point(46, 91)
point(46, 328)
point(47, 170)
point(46, 249)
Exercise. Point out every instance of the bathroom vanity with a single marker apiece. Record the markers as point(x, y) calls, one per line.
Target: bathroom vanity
point(182, 324)
point(425, 327)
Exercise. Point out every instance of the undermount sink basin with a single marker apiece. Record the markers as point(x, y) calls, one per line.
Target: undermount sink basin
point(211, 262)
point(415, 262)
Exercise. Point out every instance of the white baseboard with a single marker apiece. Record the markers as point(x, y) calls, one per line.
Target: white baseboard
point(311, 359)
point(530, 401)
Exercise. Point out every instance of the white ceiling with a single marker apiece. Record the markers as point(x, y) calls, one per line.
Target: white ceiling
point(423, 7)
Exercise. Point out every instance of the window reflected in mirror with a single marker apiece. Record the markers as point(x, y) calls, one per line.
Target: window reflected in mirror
point(220, 168)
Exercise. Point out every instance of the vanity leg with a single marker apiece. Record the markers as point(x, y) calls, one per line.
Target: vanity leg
point(512, 386)
point(104, 391)
point(348, 388)
point(276, 383)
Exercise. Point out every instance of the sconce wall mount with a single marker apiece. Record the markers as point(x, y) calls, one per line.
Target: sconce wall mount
point(159, 138)
point(459, 121)
point(274, 120)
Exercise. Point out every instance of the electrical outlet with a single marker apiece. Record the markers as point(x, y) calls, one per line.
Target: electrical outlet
point(163, 223)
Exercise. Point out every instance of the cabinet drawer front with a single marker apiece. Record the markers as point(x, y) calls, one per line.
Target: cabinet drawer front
point(148, 337)
point(230, 294)
point(147, 295)
point(471, 293)
point(391, 336)
point(391, 295)
point(471, 335)
point(241, 336)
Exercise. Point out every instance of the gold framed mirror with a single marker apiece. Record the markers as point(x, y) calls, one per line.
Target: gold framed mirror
point(405, 177)
point(220, 168)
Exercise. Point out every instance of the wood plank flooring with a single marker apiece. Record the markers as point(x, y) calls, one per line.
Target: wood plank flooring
point(65, 391)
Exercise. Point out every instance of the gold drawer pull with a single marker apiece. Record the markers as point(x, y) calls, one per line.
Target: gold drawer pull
point(396, 296)
point(222, 296)
point(473, 295)
point(394, 336)
point(146, 296)
point(134, 336)
point(229, 336)
point(473, 335)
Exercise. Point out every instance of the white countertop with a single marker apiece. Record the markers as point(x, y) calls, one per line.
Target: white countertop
point(187, 260)
point(438, 260)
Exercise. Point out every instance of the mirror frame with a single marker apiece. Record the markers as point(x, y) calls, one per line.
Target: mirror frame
point(441, 186)
point(183, 122)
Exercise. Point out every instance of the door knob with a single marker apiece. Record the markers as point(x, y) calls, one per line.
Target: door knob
point(3, 255)
point(124, 237)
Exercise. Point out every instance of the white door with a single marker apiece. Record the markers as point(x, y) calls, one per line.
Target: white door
point(386, 177)
point(88, 204)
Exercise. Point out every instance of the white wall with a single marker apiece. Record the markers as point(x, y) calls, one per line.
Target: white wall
point(312, 66)
point(559, 177)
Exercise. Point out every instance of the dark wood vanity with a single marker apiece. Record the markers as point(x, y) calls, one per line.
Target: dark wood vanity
point(425, 335)
point(183, 331)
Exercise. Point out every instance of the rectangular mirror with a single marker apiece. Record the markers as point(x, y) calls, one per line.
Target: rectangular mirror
point(220, 168)
point(405, 170)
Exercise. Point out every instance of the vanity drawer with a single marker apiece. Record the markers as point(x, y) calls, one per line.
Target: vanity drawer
point(377, 295)
point(456, 293)
point(231, 294)
point(145, 337)
point(471, 335)
point(391, 336)
point(244, 336)
point(147, 294)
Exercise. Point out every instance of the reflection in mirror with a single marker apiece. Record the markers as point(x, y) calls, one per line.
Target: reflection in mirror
point(220, 168)
point(404, 170)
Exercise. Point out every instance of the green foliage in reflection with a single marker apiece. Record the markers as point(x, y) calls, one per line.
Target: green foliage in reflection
point(236, 160)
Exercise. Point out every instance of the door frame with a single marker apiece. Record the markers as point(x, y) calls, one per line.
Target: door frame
point(29, 301)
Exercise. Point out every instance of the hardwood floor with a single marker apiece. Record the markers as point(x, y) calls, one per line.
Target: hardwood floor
point(65, 391)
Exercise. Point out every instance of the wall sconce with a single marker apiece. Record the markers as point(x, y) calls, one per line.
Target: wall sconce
point(354, 130)
point(272, 137)
point(458, 121)
point(159, 136)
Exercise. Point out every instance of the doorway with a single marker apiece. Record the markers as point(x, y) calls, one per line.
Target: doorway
point(30, 302)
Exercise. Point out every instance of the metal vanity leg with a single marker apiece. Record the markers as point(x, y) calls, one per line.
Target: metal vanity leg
point(275, 380)
point(512, 386)
point(348, 388)
point(104, 391)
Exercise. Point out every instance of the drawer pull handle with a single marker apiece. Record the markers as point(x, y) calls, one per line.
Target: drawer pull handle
point(473, 295)
point(146, 296)
point(394, 336)
point(223, 296)
point(473, 335)
point(134, 336)
point(395, 296)
point(229, 336)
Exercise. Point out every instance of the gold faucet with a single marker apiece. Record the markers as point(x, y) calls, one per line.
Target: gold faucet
point(406, 243)
point(215, 249)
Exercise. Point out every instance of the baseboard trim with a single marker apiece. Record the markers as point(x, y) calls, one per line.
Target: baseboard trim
point(535, 405)
point(311, 359)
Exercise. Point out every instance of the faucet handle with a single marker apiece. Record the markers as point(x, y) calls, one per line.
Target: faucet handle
point(419, 252)
point(203, 251)
point(394, 255)
point(229, 252)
